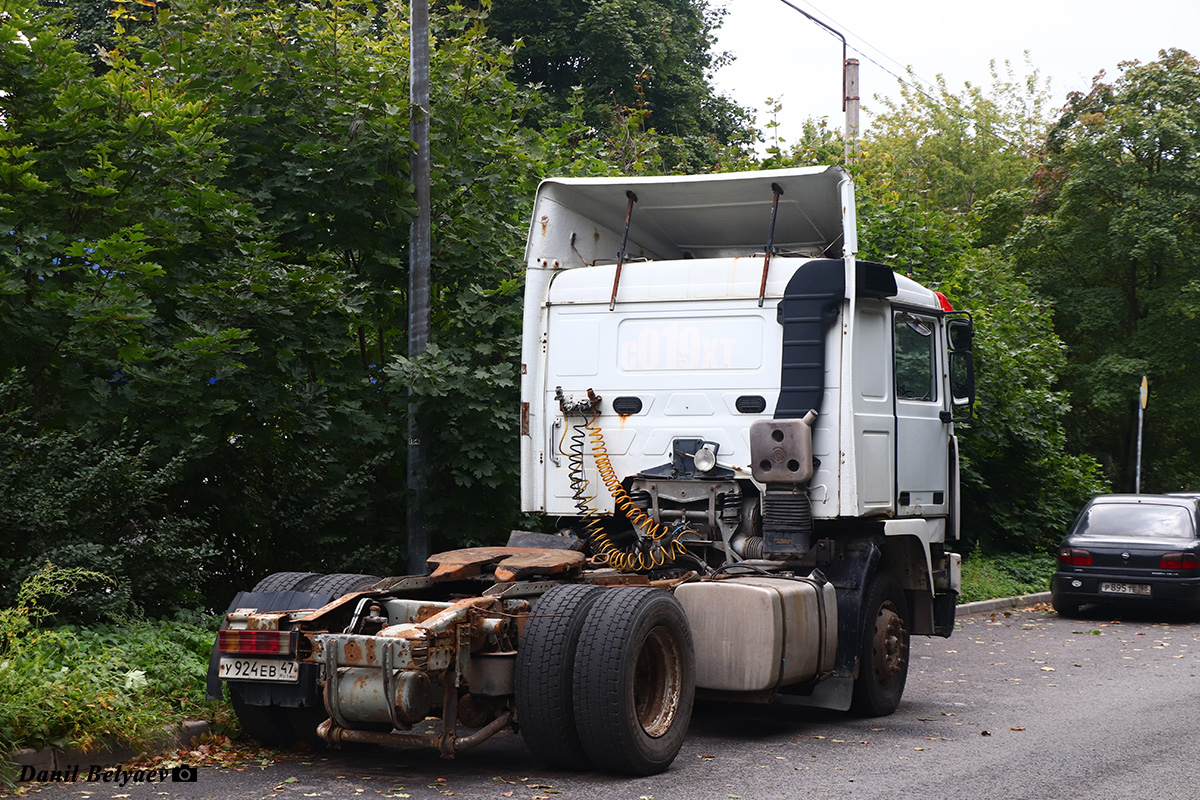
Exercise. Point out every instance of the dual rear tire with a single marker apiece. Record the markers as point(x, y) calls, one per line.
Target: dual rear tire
point(606, 677)
point(337, 584)
point(276, 725)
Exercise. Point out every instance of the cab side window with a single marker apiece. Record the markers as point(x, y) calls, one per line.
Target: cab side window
point(915, 364)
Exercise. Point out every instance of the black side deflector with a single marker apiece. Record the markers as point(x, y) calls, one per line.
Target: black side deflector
point(808, 308)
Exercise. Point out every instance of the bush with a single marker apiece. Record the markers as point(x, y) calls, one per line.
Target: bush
point(985, 577)
point(69, 686)
point(98, 503)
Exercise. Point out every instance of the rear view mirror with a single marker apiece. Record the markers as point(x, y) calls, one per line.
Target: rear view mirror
point(960, 333)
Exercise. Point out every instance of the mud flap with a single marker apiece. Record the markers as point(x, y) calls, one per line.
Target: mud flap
point(849, 577)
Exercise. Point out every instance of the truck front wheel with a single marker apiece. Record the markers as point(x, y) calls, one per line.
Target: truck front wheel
point(635, 680)
point(883, 654)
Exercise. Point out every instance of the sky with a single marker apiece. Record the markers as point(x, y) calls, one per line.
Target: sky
point(781, 54)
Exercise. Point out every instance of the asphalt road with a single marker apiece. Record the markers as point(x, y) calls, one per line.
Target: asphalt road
point(1013, 706)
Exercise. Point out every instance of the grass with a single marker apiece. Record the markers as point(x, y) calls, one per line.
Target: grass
point(67, 686)
point(985, 577)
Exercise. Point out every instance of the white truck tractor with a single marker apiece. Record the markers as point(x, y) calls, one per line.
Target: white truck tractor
point(744, 439)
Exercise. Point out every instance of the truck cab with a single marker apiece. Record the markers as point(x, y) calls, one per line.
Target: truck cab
point(711, 313)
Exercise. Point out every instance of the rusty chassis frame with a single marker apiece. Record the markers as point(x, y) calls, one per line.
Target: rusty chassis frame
point(413, 667)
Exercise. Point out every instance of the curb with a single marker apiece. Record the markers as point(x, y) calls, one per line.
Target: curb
point(110, 753)
point(1001, 604)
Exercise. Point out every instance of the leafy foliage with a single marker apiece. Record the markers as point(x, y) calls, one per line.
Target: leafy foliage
point(94, 502)
point(187, 285)
point(82, 687)
point(205, 295)
point(1021, 484)
point(650, 58)
point(1110, 233)
point(955, 150)
point(985, 577)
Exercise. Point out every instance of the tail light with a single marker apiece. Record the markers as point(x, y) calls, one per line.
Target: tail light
point(1073, 557)
point(256, 643)
point(1180, 561)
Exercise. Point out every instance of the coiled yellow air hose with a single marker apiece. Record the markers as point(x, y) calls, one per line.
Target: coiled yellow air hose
point(663, 547)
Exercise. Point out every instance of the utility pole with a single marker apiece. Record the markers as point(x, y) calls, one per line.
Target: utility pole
point(418, 277)
point(851, 104)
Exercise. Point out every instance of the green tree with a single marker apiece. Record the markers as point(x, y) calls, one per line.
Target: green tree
point(102, 185)
point(89, 24)
point(1021, 485)
point(625, 57)
point(207, 279)
point(955, 150)
point(1110, 234)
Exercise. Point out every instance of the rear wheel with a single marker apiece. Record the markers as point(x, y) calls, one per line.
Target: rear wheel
point(883, 657)
point(341, 583)
point(635, 679)
point(267, 725)
point(284, 726)
point(1064, 608)
point(286, 582)
point(544, 674)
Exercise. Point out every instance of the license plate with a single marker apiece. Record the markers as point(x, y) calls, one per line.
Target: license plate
point(1125, 588)
point(258, 669)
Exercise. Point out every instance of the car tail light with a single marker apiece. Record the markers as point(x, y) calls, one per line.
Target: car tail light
point(1073, 557)
point(256, 643)
point(1180, 561)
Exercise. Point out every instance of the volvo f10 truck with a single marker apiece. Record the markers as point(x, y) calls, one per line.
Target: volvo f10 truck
point(742, 438)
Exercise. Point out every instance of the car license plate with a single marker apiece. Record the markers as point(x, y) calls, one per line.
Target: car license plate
point(1125, 588)
point(258, 669)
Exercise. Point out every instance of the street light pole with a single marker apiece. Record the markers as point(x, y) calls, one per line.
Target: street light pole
point(850, 96)
point(851, 103)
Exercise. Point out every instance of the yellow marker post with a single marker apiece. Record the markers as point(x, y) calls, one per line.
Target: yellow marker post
point(1143, 396)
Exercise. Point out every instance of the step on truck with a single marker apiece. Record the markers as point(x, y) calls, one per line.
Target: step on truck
point(743, 437)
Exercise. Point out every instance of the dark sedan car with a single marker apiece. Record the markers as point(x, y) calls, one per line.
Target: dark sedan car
point(1130, 548)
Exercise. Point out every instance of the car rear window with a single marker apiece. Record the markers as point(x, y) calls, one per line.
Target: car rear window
point(1141, 519)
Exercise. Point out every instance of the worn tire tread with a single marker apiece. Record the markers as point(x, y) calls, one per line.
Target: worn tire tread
point(545, 670)
point(342, 583)
point(285, 581)
point(604, 657)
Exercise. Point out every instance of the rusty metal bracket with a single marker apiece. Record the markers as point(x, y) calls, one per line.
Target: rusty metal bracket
point(462, 658)
point(505, 591)
point(449, 715)
point(389, 689)
point(633, 198)
point(332, 704)
point(777, 190)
